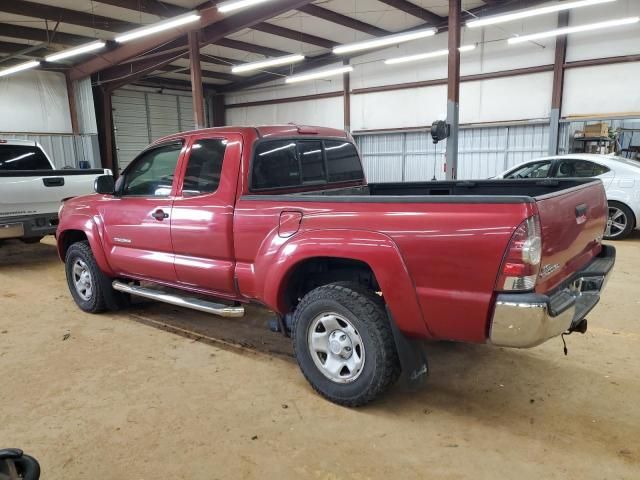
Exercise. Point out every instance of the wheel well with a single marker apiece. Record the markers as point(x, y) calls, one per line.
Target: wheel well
point(316, 272)
point(633, 215)
point(69, 237)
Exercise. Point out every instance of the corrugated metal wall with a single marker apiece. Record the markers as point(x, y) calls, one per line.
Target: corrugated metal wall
point(141, 117)
point(483, 152)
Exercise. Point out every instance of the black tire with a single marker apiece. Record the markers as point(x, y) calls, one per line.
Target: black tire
point(630, 221)
point(365, 311)
point(30, 240)
point(103, 297)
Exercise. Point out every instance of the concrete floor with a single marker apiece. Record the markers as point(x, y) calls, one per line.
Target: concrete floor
point(102, 397)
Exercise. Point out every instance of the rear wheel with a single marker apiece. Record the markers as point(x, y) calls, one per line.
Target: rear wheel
point(344, 344)
point(89, 286)
point(620, 222)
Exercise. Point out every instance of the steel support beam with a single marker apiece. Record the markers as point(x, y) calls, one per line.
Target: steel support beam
point(73, 110)
point(272, 29)
point(334, 17)
point(42, 35)
point(102, 100)
point(218, 111)
point(453, 88)
point(415, 10)
point(558, 85)
point(196, 80)
point(346, 85)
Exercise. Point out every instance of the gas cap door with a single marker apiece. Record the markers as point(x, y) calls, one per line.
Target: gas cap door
point(290, 221)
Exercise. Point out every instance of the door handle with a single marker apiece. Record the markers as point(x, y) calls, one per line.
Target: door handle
point(53, 181)
point(160, 215)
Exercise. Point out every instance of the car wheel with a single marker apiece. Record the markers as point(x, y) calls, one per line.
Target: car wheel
point(89, 286)
point(344, 344)
point(620, 222)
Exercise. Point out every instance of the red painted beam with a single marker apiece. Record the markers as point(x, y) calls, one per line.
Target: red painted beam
point(64, 15)
point(294, 35)
point(250, 47)
point(415, 10)
point(334, 17)
point(154, 7)
point(41, 35)
point(196, 80)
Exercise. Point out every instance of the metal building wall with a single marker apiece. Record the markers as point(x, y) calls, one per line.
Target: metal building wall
point(141, 117)
point(483, 152)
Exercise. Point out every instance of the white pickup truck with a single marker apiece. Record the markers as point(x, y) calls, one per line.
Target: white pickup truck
point(32, 190)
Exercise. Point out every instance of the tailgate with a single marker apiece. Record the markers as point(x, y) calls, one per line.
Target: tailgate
point(573, 222)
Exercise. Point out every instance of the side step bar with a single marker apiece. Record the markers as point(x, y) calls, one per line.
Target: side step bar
point(180, 301)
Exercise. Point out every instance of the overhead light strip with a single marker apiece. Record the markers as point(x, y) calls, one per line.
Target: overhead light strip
point(19, 68)
point(231, 5)
point(520, 14)
point(318, 75)
point(158, 27)
point(383, 41)
point(272, 62)
point(71, 52)
point(425, 56)
point(568, 30)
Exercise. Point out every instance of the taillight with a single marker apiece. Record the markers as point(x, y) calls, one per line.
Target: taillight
point(521, 264)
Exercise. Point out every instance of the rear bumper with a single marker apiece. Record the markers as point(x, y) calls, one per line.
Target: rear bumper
point(524, 320)
point(29, 226)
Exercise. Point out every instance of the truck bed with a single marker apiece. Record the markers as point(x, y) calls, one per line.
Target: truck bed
point(469, 191)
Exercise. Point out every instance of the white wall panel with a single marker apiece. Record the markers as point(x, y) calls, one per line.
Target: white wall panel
point(85, 107)
point(327, 112)
point(34, 101)
point(612, 42)
point(602, 90)
point(398, 108)
point(506, 99)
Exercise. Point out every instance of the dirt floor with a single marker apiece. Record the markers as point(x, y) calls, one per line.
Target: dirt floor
point(111, 397)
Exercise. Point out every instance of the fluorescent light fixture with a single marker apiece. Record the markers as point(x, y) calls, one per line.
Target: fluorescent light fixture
point(533, 12)
point(232, 5)
point(272, 62)
point(19, 68)
point(424, 56)
point(382, 41)
point(89, 47)
point(580, 28)
point(322, 74)
point(158, 27)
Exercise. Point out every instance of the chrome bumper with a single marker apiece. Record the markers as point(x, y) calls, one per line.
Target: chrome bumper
point(524, 320)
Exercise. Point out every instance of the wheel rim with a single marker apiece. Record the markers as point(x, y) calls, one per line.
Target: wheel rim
point(82, 279)
point(616, 223)
point(336, 347)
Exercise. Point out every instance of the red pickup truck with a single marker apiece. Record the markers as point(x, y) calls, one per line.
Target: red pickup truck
point(359, 274)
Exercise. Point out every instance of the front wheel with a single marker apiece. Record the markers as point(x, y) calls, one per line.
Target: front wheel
point(344, 344)
point(620, 222)
point(90, 288)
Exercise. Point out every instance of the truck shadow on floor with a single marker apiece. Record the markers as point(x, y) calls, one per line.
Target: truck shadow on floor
point(16, 253)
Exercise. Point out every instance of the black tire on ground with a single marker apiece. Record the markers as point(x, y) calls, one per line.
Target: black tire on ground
point(630, 221)
point(30, 240)
point(366, 312)
point(103, 297)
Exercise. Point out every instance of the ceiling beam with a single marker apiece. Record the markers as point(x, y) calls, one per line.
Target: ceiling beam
point(12, 48)
point(415, 10)
point(338, 18)
point(250, 47)
point(294, 35)
point(227, 77)
point(216, 31)
point(153, 7)
point(41, 35)
point(65, 15)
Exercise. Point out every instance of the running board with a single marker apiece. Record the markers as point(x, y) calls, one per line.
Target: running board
point(180, 301)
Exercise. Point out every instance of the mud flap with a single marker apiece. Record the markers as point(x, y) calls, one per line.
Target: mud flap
point(413, 358)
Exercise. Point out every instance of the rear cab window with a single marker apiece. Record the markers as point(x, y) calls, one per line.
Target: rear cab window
point(22, 157)
point(297, 163)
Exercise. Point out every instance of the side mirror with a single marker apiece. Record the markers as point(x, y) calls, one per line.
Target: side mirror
point(105, 185)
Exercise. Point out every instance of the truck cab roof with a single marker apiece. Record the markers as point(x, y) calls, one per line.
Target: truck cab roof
point(264, 131)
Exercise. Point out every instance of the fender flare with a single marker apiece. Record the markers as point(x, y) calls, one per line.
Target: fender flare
point(89, 226)
point(375, 249)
